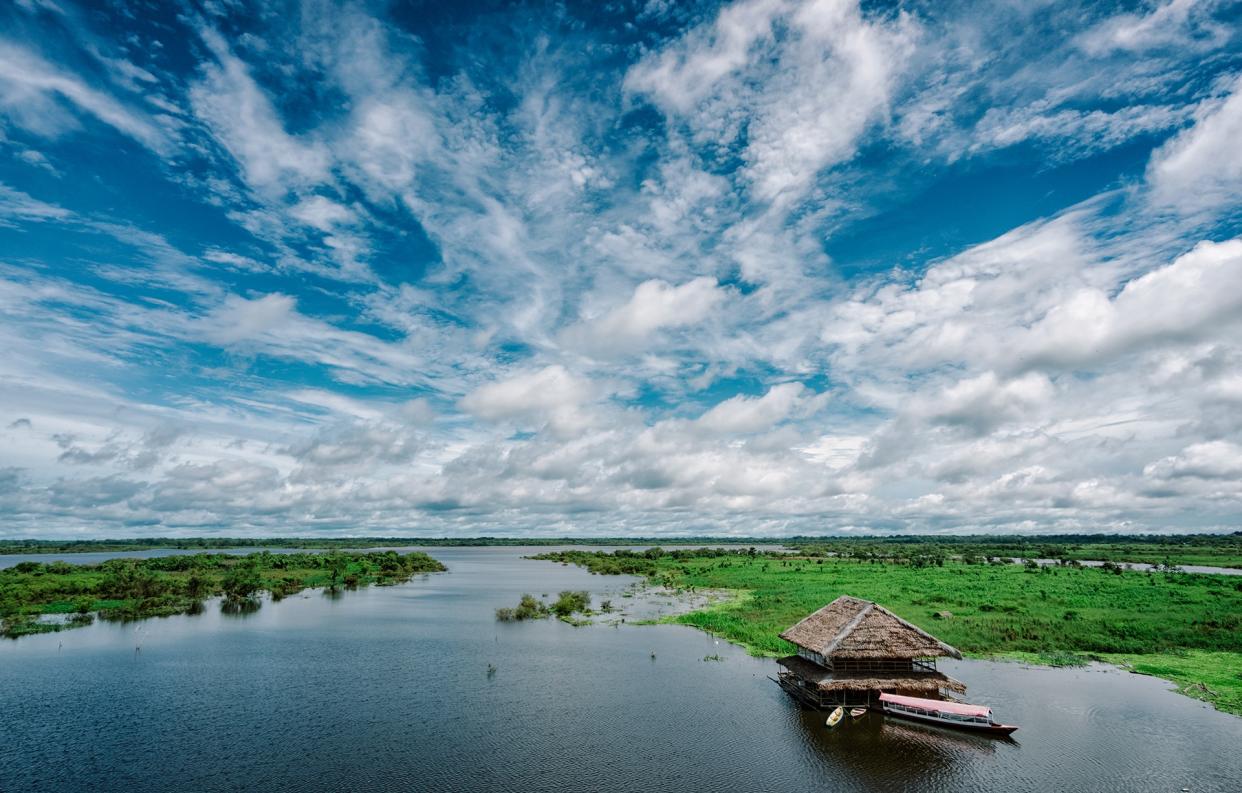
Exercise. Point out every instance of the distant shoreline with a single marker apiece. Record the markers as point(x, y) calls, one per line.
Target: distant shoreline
point(1214, 550)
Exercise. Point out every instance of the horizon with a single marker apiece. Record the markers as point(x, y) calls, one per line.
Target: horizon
point(758, 269)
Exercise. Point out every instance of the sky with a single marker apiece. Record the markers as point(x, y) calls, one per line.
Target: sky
point(642, 267)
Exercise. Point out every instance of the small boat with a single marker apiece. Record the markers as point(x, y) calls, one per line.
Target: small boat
point(959, 716)
point(835, 717)
point(856, 712)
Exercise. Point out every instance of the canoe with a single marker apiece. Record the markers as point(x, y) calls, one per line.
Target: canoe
point(959, 716)
point(835, 717)
point(856, 712)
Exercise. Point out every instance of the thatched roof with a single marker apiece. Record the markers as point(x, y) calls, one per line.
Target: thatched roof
point(849, 627)
point(922, 682)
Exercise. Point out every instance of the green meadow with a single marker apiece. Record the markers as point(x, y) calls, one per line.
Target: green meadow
point(123, 589)
point(1180, 626)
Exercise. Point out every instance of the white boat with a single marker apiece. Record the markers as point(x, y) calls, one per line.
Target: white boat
point(959, 716)
point(835, 717)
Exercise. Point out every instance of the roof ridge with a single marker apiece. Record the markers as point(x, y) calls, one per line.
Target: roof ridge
point(847, 628)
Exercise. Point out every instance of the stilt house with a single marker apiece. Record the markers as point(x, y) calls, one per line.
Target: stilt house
point(852, 650)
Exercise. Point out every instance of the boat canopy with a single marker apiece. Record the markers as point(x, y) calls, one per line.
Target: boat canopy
point(958, 708)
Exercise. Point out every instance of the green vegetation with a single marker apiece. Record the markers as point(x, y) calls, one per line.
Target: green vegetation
point(134, 588)
point(566, 605)
point(1191, 549)
point(1185, 627)
point(1210, 550)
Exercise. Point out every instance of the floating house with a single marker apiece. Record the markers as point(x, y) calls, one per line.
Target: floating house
point(853, 650)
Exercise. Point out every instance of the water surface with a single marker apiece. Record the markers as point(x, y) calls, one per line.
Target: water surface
point(388, 689)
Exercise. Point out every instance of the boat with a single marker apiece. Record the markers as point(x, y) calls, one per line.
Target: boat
point(856, 712)
point(958, 715)
point(835, 717)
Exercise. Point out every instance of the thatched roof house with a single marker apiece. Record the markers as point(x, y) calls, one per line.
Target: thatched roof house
point(849, 627)
point(852, 650)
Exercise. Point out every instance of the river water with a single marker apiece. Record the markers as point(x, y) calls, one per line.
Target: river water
point(389, 689)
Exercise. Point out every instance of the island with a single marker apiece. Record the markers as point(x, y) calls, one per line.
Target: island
point(125, 589)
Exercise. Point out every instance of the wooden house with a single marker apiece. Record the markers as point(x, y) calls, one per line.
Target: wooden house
point(853, 650)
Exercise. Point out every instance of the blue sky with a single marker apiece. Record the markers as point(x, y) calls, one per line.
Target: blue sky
point(760, 267)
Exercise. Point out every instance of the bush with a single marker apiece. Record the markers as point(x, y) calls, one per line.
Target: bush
point(569, 602)
point(241, 581)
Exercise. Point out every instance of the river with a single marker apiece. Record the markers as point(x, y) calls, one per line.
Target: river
point(389, 689)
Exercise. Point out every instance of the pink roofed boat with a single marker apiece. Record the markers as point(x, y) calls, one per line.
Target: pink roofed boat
point(960, 716)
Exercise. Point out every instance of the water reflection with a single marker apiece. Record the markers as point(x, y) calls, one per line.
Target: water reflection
point(875, 752)
point(240, 608)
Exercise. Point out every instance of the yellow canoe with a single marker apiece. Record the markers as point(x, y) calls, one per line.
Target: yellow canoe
point(835, 717)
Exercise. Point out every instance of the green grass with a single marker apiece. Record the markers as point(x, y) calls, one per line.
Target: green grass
point(138, 588)
point(1185, 625)
point(1214, 677)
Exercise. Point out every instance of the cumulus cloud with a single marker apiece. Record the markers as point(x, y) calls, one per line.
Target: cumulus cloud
point(548, 390)
point(1199, 292)
point(742, 414)
point(655, 305)
point(1202, 166)
point(982, 403)
point(1209, 460)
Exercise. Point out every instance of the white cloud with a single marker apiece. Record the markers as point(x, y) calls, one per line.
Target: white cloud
point(1209, 460)
point(982, 403)
point(18, 206)
point(1199, 293)
point(743, 414)
point(654, 306)
point(550, 389)
point(805, 79)
point(242, 118)
point(1177, 23)
point(1201, 168)
point(322, 213)
point(30, 88)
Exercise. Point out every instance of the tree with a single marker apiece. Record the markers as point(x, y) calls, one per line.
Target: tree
point(337, 565)
point(241, 581)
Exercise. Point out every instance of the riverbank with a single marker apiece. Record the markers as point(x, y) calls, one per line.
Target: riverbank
point(1186, 628)
point(124, 589)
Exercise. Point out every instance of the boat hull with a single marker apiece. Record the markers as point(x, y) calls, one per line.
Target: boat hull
point(835, 718)
point(986, 729)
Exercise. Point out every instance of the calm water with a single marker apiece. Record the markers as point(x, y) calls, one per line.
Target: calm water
point(387, 689)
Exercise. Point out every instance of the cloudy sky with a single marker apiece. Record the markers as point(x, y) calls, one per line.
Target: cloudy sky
point(645, 267)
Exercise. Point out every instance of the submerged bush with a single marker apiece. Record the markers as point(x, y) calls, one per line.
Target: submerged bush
point(570, 602)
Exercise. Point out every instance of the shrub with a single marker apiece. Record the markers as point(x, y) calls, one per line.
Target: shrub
point(569, 602)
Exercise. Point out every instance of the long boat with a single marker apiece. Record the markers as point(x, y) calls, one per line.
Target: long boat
point(959, 716)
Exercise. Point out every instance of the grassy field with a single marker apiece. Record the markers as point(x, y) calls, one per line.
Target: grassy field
point(1180, 626)
point(135, 588)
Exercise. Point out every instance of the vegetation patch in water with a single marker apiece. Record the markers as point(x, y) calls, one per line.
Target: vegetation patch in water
point(566, 605)
point(125, 589)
